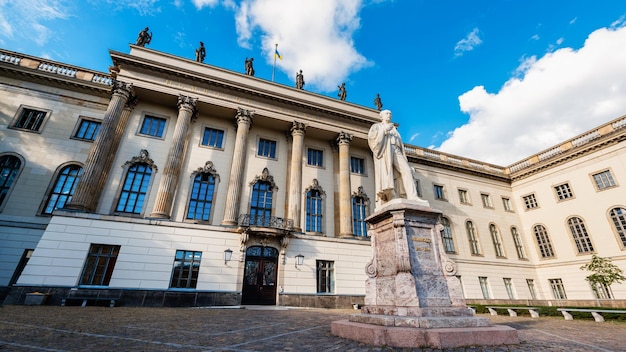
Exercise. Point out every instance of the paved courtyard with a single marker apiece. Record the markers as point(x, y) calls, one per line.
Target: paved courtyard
point(47, 328)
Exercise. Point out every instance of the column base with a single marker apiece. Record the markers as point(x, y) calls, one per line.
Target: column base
point(159, 216)
point(229, 223)
point(78, 208)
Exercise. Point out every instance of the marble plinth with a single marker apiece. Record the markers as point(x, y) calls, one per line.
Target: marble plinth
point(412, 296)
point(449, 337)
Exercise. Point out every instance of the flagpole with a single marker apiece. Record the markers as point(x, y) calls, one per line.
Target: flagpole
point(274, 68)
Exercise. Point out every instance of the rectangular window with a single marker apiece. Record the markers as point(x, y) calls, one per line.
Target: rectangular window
point(87, 129)
point(99, 265)
point(531, 288)
point(486, 200)
point(508, 285)
point(266, 148)
point(439, 192)
point(30, 119)
point(506, 203)
point(213, 138)
point(359, 213)
point(604, 180)
point(530, 201)
point(484, 287)
point(601, 290)
point(153, 126)
point(558, 290)
point(464, 196)
point(563, 191)
point(315, 157)
point(357, 166)
point(314, 211)
point(186, 269)
point(325, 276)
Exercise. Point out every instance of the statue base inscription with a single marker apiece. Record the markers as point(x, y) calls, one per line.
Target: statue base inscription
point(412, 296)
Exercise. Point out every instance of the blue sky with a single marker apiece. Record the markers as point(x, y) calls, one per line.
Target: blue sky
point(493, 80)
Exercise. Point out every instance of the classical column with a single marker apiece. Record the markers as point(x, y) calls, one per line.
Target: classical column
point(345, 205)
point(295, 182)
point(233, 195)
point(99, 160)
point(171, 172)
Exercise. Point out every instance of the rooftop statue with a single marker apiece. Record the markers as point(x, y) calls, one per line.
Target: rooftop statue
point(299, 80)
point(144, 37)
point(378, 102)
point(389, 159)
point(249, 66)
point(342, 91)
point(200, 53)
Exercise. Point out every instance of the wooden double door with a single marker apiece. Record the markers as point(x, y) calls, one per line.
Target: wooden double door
point(260, 273)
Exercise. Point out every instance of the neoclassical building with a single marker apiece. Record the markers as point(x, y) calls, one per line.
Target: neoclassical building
point(169, 182)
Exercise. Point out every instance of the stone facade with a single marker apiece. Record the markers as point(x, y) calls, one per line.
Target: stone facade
point(46, 251)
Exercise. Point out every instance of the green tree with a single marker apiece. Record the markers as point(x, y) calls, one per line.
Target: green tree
point(604, 274)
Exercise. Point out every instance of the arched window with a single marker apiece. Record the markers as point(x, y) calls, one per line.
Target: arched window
point(314, 219)
point(10, 166)
point(63, 188)
point(134, 189)
point(359, 212)
point(579, 233)
point(446, 236)
point(618, 216)
point(497, 240)
point(202, 193)
point(517, 240)
point(261, 203)
point(472, 237)
point(543, 241)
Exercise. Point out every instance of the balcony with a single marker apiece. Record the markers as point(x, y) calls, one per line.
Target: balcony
point(268, 225)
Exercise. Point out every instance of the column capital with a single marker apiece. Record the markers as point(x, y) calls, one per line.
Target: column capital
point(297, 128)
point(122, 88)
point(244, 116)
point(344, 138)
point(186, 102)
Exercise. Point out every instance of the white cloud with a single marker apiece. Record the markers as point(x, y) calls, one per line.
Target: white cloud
point(469, 43)
point(315, 37)
point(202, 3)
point(27, 18)
point(560, 95)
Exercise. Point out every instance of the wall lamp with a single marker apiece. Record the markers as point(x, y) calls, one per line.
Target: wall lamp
point(299, 260)
point(228, 253)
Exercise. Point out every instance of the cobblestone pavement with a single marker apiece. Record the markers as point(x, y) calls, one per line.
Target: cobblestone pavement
point(47, 328)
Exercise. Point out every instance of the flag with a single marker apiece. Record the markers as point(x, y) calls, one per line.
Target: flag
point(277, 55)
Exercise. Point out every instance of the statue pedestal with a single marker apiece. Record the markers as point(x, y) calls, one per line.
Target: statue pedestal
point(412, 296)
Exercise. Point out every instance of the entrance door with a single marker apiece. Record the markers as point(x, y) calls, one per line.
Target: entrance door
point(259, 281)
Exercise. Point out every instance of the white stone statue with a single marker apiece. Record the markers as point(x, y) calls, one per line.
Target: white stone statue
point(389, 159)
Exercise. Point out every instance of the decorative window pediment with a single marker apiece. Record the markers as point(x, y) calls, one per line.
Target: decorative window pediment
point(265, 177)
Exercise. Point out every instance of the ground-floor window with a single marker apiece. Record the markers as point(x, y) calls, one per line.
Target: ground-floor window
point(601, 291)
point(186, 269)
point(325, 276)
point(531, 288)
point(558, 290)
point(99, 265)
point(484, 287)
point(508, 285)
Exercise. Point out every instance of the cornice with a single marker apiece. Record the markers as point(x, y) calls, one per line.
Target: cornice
point(245, 85)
